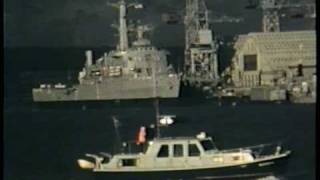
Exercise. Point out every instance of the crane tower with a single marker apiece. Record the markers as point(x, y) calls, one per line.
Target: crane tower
point(200, 62)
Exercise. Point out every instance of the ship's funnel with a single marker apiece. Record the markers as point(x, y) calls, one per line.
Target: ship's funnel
point(89, 57)
point(84, 164)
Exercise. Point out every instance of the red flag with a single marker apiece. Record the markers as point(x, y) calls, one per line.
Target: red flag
point(141, 136)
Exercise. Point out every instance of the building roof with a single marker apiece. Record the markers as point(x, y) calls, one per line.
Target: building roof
point(292, 45)
point(285, 41)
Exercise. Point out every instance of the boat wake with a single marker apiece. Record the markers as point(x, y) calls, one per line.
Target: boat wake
point(265, 176)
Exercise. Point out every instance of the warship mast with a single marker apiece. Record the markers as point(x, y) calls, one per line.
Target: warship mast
point(123, 30)
point(123, 27)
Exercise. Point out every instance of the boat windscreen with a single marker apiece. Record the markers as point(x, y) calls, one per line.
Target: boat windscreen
point(207, 145)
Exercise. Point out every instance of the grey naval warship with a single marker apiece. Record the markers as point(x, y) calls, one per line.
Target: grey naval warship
point(129, 72)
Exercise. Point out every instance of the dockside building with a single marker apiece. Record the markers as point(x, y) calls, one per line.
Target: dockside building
point(269, 59)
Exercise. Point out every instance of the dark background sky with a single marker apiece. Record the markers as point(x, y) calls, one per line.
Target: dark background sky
point(60, 23)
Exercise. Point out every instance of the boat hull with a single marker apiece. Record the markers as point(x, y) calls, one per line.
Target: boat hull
point(112, 89)
point(251, 171)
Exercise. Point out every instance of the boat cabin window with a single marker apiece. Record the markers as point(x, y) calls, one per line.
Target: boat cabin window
point(193, 150)
point(128, 162)
point(207, 145)
point(164, 151)
point(177, 150)
point(236, 158)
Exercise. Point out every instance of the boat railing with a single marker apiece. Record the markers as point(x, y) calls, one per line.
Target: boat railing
point(96, 158)
point(106, 155)
point(257, 150)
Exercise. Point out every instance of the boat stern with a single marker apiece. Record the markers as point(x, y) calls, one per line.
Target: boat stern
point(85, 164)
point(280, 152)
point(97, 162)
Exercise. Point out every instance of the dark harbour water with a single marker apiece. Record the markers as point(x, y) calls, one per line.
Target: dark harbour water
point(43, 141)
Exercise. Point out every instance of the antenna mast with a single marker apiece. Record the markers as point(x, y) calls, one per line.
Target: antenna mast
point(123, 27)
point(123, 31)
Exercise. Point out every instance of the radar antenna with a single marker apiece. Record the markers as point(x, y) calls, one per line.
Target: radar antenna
point(123, 27)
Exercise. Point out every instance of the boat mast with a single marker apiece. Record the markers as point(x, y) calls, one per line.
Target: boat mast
point(156, 104)
point(156, 100)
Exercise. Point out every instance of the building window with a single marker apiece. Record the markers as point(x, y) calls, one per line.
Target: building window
point(193, 150)
point(300, 70)
point(250, 62)
point(164, 151)
point(177, 150)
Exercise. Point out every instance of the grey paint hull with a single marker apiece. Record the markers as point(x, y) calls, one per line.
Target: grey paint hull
point(113, 89)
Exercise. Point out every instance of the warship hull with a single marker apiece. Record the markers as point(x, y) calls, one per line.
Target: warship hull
point(252, 171)
point(112, 89)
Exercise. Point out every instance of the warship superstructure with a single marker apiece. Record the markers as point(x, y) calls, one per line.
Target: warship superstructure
point(132, 71)
point(201, 60)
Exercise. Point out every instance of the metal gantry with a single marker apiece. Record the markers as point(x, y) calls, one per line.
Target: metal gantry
point(271, 8)
point(270, 19)
point(200, 65)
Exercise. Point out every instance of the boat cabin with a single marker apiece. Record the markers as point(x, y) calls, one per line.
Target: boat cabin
point(182, 153)
point(166, 153)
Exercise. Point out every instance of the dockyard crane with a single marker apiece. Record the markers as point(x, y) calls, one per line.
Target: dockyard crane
point(177, 18)
point(200, 61)
point(271, 8)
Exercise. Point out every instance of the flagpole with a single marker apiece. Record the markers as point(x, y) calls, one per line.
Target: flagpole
point(156, 103)
point(116, 125)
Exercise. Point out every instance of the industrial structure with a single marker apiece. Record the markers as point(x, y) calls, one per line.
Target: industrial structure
point(268, 65)
point(200, 61)
point(270, 13)
point(280, 60)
